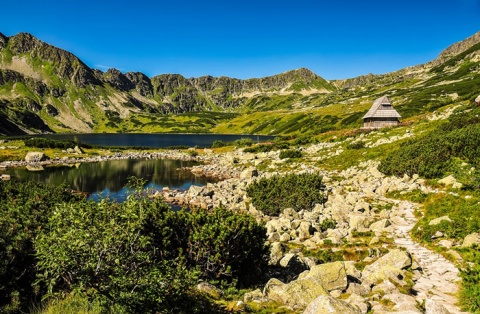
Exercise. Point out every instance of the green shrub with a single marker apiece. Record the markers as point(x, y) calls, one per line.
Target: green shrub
point(298, 191)
point(225, 246)
point(265, 148)
point(243, 142)
point(290, 154)
point(217, 144)
point(356, 145)
point(106, 249)
point(24, 211)
point(41, 142)
point(328, 224)
point(303, 140)
point(192, 153)
point(433, 155)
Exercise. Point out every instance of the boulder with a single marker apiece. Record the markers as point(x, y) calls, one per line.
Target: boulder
point(438, 220)
point(359, 222)
point(78, 150)
point(254, 296)
point(358, 289)
point(388, 266)
point(471, 240)
point(210, 290)
point(379, 226)
point(276, 253)
point(403, 302)
point(304, 230)
point(327, 304)
point(332, 276)
point(195, 190)
point(294, 263)
point(297, 294)
point(450, 180)
point(5, 177)
point(432, 307)
point(359, 302)
point(35, 157)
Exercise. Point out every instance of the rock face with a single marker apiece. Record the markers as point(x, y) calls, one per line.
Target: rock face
point(35, 157)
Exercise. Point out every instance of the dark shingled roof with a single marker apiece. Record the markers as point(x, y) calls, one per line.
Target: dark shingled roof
point(382, 108)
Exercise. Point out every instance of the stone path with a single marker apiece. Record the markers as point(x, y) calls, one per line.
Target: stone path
point(439, 277)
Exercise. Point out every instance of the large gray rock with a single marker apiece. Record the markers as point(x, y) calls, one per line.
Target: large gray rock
point(388, 266)
point(297, 294)
point(332, 276)
point(78, 150)
point(276, 253)
point(327, 304)
point(438, 220)
point(432, 307)
point(471, 240)
point(195, 190)
point(35, 157)
point(210, 290)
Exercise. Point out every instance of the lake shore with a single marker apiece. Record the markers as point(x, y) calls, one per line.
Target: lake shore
point(167, 154)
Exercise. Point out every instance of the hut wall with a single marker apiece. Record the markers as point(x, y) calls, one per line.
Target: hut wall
point(377, 123)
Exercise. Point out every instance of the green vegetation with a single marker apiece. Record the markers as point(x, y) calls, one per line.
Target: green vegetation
point(243, 142)
point(434, 154)
point(290, 153)
point(136, 256)
point(218, 143)
point(298, 191)
point(40, 142)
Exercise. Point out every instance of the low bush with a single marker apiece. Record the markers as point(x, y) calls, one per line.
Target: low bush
point(218, 143)
point(243, 142)
point(356, 145)
point(265, 148)
point(298, 191)
point(40, 142)
point(290, 154)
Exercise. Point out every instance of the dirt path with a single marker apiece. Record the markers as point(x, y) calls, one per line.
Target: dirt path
point(439, 277)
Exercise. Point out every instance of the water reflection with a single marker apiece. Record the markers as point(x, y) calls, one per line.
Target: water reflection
point(110, 177)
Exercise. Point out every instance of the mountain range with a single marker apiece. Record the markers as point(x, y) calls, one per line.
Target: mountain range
point(45, 89)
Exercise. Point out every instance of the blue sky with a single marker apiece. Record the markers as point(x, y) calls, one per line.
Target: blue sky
point(336, 39)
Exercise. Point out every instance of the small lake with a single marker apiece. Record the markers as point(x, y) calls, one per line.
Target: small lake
point(158, 140)
point(108, 178)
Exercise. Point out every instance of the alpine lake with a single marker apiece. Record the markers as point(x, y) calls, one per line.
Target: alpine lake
point(109, 178)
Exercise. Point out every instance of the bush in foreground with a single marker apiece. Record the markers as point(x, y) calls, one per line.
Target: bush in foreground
point(298, 191)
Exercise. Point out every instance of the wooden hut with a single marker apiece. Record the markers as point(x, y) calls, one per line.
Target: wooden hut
point(381, 115)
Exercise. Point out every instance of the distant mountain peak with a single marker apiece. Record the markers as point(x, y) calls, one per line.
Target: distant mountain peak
point(459, 47)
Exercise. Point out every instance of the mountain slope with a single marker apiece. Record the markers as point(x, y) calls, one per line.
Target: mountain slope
point(42, 83)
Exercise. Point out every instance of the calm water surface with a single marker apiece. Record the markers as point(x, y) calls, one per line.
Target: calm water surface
point(108, 178)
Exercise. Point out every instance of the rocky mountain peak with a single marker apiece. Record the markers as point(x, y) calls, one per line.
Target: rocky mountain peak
point(459, 47)
point(118, 80)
